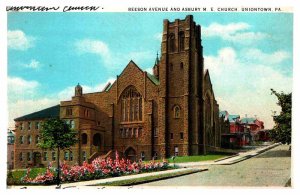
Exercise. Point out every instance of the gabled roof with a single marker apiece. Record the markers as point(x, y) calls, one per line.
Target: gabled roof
point(233, 117)
point(153, 78)
point(51, 112)
point(223, 113)
point(248, 120)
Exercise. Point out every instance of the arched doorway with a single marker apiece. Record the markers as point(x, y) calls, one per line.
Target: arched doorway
point(36, 159)
point(130, 154)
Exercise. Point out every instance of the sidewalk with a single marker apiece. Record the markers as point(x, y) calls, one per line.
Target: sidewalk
point(197, 166)
point(229, 160)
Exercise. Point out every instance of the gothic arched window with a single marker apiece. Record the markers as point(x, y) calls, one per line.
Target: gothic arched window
point(176, 111)
point(131, 105)
point(181, 41)
point(171, 42)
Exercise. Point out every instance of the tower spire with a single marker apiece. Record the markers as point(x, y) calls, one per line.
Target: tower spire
point(157, 60)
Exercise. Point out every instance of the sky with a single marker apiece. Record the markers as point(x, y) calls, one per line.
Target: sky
point(247, 54)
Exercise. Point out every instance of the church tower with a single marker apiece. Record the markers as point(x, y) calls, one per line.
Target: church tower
point(181, 83)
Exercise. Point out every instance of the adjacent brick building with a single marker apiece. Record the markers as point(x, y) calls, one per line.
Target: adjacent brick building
point(172, 112)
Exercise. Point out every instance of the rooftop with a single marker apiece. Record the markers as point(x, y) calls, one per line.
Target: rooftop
point(50, 112)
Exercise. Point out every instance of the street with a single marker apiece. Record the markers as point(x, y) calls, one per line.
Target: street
point(271, 168)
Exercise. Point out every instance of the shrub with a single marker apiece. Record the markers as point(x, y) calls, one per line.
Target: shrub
point(99, 168)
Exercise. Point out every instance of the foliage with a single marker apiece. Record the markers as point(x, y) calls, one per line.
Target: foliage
point(283, 128)
point(99, 168)
point(55, 133)
point(15, 176)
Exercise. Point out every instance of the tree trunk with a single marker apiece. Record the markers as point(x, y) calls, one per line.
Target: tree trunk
point(58, 168)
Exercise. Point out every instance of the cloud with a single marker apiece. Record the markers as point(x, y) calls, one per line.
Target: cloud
point(68, 92)
point(149, 70)
point(19, 88)
point(158, 36)
point(18, 40)
point(243, 86)
point(34, 64)
point(24, 97)
point(234, 32)
point(111, 59)
point(257, 56)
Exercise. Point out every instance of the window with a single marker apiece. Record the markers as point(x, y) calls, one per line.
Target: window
point(171, 42)
point(21, 156)
point(171, 135)
point(83, 155)
point(29, 125)
point(69, 112)
point(181, 41)
point(86, 112)
point(12, 155)
point(171, 67)
point(155, 156)
point(37, 139)
point(181, 65)
point(181, 135)
point(72, 124)
point(155, 131)
point(45, 156)
point(84, 138)
point(53, 156)
point(29, 157)
point(66, 155)
point(71, 155)
point(143, 155)
point(98, 123)
point(176, 151)
point(37, 125)
point(131, 105)
point(21, 139)
point(21, 126)
point(136, 132)
point(29, 139)
point(126, 134)
point(176, 111)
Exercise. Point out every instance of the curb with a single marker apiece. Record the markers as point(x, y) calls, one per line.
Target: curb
point(251, 155)
point(159, 179)
point(226, 157)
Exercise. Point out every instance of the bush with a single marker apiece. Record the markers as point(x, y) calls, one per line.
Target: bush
point(99, 168)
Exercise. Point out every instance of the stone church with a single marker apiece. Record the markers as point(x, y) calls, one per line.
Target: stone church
point(142, 116)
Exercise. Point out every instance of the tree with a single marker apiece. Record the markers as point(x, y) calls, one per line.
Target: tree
point(283, 128)
point(55, 134)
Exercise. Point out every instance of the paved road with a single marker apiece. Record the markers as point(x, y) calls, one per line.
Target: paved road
point(272, 168)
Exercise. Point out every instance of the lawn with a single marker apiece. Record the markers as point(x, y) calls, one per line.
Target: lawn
point(208, 157)
point(16, 175)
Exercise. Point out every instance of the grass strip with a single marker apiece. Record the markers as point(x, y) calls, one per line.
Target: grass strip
point(141, 180)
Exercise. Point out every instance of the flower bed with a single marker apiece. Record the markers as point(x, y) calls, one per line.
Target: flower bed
point(99, 168)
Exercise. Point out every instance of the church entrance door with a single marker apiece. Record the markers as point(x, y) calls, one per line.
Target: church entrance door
point(130, 154)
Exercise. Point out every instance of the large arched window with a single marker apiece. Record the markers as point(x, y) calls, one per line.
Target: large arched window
point(171, 42)
point(181, 41)
point(84, 138)
point(131, 105)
